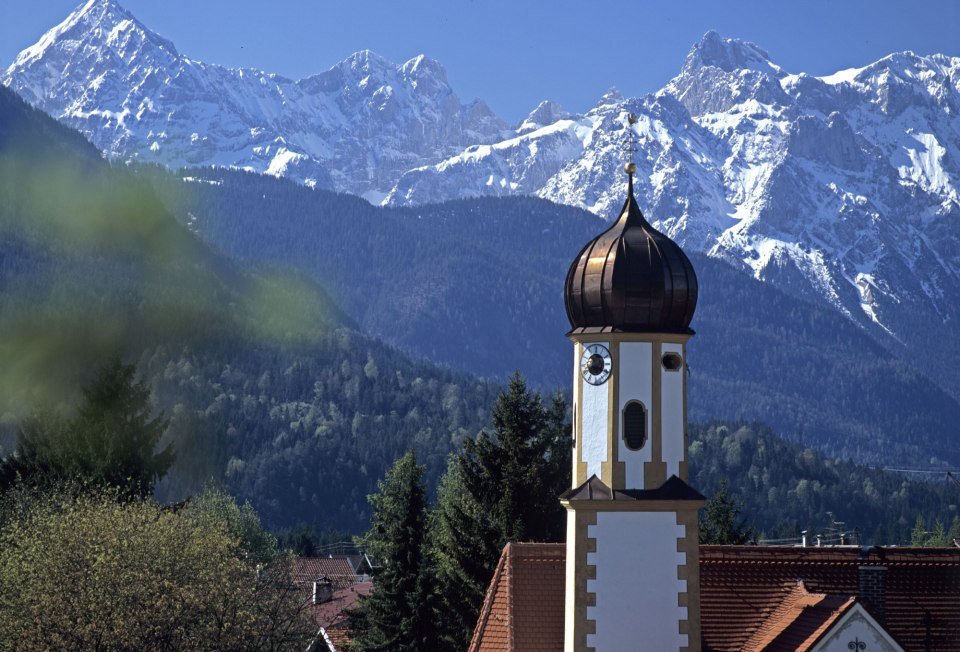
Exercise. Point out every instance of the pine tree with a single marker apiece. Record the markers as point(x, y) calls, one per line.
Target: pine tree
point(398, 614)
point(720, 520)
point(463, 545)
point(112, 441)
point(918, 537)
point(504, 486)
point(938, 538)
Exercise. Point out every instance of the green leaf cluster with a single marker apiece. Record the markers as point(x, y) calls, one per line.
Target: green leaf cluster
point(102, 573)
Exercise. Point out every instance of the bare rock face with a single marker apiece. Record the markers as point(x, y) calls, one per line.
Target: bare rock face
point(355, 127)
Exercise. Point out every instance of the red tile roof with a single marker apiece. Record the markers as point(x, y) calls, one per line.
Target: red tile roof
point(523, 608)
point(334, 611)
point(742, 586)
point(307, 570)
point(799, 621)
point(347, 589)
point(742, 590)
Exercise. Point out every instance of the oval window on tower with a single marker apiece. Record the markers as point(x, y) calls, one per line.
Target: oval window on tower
point(634, 425)
point(672, 361)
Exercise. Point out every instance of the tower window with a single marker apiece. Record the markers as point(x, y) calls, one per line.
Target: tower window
point(634, 425)
point(672, 361)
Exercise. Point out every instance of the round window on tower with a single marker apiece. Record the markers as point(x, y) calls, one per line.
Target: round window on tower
point(672, 361)
point(634, 425)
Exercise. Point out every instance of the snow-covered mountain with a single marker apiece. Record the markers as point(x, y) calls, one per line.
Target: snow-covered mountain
point(355, 127)
point(841, 188)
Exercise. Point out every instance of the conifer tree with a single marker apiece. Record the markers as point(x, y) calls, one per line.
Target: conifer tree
point(720, 521)
point(398, 614)
point(938, 538)
point(918, 537)
point(112, 441)
point(463, 549)
point(504, 486)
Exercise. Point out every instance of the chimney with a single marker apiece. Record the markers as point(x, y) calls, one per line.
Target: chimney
point(322, 591)
point(873, 590)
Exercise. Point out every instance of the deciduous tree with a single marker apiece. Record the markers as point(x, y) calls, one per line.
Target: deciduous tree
point(98, 572)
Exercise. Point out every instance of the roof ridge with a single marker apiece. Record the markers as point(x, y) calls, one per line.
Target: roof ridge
point(509, 551)
point(488, 601)
point(795, 604)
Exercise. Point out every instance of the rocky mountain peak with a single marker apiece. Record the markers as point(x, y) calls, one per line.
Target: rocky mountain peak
point(721, 73)
point(546, 113)
point(423, 67)
point(355, 127)
point(730, 55)
point(99, 38)
point(102, 25)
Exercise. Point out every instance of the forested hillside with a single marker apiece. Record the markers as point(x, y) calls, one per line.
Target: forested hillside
point(478, 284)
point(269, 388)
point(786, 487)
point(272, 393)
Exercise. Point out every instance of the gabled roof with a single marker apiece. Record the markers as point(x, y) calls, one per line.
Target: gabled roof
point(523, 608)
point(748, 594)
point(741, 587)
point(338, 569)
point(799, 622)
point(333, 612)
point(332, 617)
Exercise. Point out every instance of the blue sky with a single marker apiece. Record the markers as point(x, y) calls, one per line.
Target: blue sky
point(514, 54)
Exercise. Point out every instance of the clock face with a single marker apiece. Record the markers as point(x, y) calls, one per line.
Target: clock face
point(595, 364)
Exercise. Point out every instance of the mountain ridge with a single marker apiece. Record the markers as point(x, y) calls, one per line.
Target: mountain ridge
point(353, 127)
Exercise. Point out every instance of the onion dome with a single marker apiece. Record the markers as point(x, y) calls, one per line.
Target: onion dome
point(631, 278)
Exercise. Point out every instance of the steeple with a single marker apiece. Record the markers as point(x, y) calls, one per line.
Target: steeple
point(631, 278)
point(632, 536)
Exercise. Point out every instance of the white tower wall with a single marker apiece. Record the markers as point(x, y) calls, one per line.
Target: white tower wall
point(636, 587)
point(595, 403)
point(673, 413)
point(635, 384)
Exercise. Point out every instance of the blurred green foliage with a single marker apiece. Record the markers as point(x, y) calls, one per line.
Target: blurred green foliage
point(100, 573)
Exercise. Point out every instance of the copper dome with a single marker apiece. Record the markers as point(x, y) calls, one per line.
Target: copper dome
point(631, 278)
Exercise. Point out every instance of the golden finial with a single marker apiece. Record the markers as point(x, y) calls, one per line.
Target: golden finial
point(631, 167)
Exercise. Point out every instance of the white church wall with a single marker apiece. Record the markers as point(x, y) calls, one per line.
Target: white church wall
point(671, 412)
point(635, 385)
point(595, 403)
point(636, 583)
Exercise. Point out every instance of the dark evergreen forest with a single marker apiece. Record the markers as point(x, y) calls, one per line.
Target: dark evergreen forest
point(477, 284)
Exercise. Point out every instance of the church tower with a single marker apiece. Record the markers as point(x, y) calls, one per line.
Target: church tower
point(632, 579)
